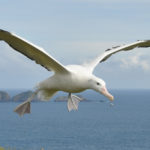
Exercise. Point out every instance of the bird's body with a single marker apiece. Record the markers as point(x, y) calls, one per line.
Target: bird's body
point(71, 78)
point(73, 82)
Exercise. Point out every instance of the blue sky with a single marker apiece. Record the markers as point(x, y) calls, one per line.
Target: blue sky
point(74, 31)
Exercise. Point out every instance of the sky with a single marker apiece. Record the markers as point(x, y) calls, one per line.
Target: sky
point(75, 31)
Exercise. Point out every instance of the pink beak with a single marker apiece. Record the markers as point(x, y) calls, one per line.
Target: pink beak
point(106, 93)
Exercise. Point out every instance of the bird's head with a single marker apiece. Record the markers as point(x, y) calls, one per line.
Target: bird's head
point(99, 85)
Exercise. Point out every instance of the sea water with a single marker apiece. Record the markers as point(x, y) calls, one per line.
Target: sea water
point(95, 126)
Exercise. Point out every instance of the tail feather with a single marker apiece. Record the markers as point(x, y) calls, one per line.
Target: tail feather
point(46, 95)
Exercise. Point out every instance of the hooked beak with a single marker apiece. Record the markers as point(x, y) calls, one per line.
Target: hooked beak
point(106, 93)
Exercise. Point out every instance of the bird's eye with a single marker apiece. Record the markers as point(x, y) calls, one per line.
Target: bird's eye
point(98, 83)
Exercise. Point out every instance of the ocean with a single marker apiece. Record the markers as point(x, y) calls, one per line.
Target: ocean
point(95, 126)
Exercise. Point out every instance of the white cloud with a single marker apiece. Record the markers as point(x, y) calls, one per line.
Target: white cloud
point(135, 61)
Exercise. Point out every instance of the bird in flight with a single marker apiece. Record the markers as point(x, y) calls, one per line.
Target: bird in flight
point(70, 78)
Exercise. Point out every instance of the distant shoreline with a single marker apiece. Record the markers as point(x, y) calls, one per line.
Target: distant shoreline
point(21, 95)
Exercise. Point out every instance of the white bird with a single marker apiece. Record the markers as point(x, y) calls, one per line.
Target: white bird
point(70, 78)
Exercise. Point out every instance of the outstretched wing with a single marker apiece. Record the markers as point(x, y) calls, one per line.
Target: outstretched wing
point(33, 52)
point(109, 52)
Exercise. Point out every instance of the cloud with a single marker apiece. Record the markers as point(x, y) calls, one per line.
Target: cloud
point(135, 61)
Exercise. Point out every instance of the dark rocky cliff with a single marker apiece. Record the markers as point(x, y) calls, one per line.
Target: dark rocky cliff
point(4, 96)
point(23, 97)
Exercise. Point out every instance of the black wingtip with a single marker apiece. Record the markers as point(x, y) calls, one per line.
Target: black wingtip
point(4, 31)
point(146, 40)
point(1, 30)
point(112, 48)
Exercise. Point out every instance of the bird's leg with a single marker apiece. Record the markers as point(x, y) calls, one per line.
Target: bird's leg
point(73, 102)
point(24, 108)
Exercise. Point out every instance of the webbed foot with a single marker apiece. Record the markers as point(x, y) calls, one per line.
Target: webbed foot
point(73, 102)
point(23, 108)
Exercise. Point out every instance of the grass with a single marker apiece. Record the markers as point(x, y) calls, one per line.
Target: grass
point(1, 148)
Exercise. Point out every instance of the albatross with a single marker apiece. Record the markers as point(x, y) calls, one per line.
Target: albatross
point(70, 78)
